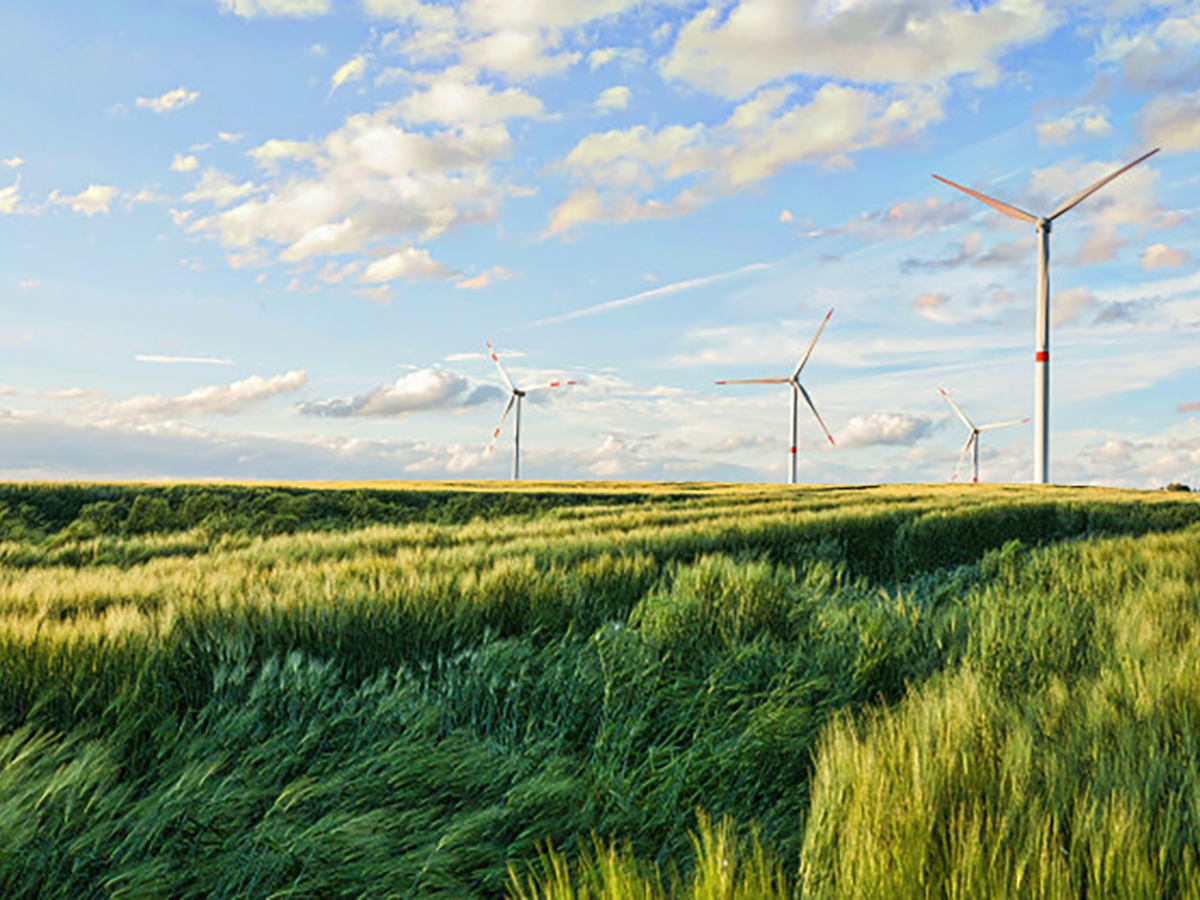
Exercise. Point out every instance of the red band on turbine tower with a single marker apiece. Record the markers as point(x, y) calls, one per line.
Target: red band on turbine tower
point(791, 449)
point(1042, 356)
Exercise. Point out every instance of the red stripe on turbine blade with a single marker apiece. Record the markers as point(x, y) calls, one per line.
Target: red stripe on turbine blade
point(721, 382)
point(831, 440)
point(572, 382)
point(555, 383)
point(1042, 356)
point(791, 449)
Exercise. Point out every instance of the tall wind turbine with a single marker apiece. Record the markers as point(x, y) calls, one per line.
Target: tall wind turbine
point(797, 391)
point(1041, 356)
point(973, 441)
point(514, 399)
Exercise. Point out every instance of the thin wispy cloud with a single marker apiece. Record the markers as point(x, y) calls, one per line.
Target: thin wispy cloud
point(657, 293)
point(199, 360)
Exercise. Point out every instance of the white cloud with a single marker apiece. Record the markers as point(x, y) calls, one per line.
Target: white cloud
point(29, 284)
point(1079, 123)
point(228, 137)
point(786, 217)
point(250, 9)
point(269, 154)
point(184, 163)
point(761, 138)
point(201, 360)
point(226, 400)
point(9, 198)
point(483, 279)
point(218, 188)
point(410, 263)
point(370, 181)
point(1067, 306)
point(453, 98)
point(1158, 256)
point(170, 101)
point(733, 51)
point(613, 98)
point(349, 71)
point(13, 162)
point(1158, 55)
point(422, 391)
point(904, 220)
point(96, 198)
point(1172, 121)
point(884, 428)
point(517, 54)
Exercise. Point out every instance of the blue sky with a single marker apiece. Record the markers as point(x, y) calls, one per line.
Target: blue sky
point(269, 238)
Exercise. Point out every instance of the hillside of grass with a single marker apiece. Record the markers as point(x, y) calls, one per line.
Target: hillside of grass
point(585, 691)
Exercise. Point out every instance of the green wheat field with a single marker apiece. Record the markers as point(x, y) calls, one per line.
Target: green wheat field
point(598, 691)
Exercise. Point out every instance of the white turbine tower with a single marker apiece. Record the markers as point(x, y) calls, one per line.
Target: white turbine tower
point(1041, 356)
point(973, 441)
point(797, 391)
point(515, 398)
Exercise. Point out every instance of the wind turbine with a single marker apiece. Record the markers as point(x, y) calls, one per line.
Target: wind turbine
point(1041, 355)
point(797, 391)
point(973, 440)
point(515, 399)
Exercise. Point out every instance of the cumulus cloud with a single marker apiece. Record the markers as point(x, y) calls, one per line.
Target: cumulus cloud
point(1159, 256)
point(12, 162)
point(972, 252)
point(369, 181)
point(410, 263)
point(761, 138)
point(1079, 123)
point(905, 220)
point(250, 9)
point(170, 101)
point(425, 390)
point(1154, 55)
point(95, 198)
point(884, 428)
point(456, 97)
point(226, 400)
point(485, 278)
point(613, 98)
point(733, 51)
point(736, 443)
point(184, 163)
point(1172, 121)
point(1067, 306)
point(218, 188)
point(9, 198)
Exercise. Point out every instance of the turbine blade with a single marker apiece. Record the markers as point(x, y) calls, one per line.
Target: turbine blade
point(1011, 211)
point(552, 384)
point(1087, 192)
point(512, 398)
point(756, 381)
point(496, 360)
point(954, 405)
point(1003, 424)
point(812, 344)
point(808, 400)
point(963, 455)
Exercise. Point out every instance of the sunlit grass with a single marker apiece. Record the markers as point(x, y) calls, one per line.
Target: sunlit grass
point(873, 692)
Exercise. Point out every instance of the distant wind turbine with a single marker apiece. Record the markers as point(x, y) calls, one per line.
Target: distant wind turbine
point(1041, 356)
point(973, 441)
point(797, 391)
point(515, 399)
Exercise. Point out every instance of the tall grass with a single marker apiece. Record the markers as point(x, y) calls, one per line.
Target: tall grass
point(367, 706)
